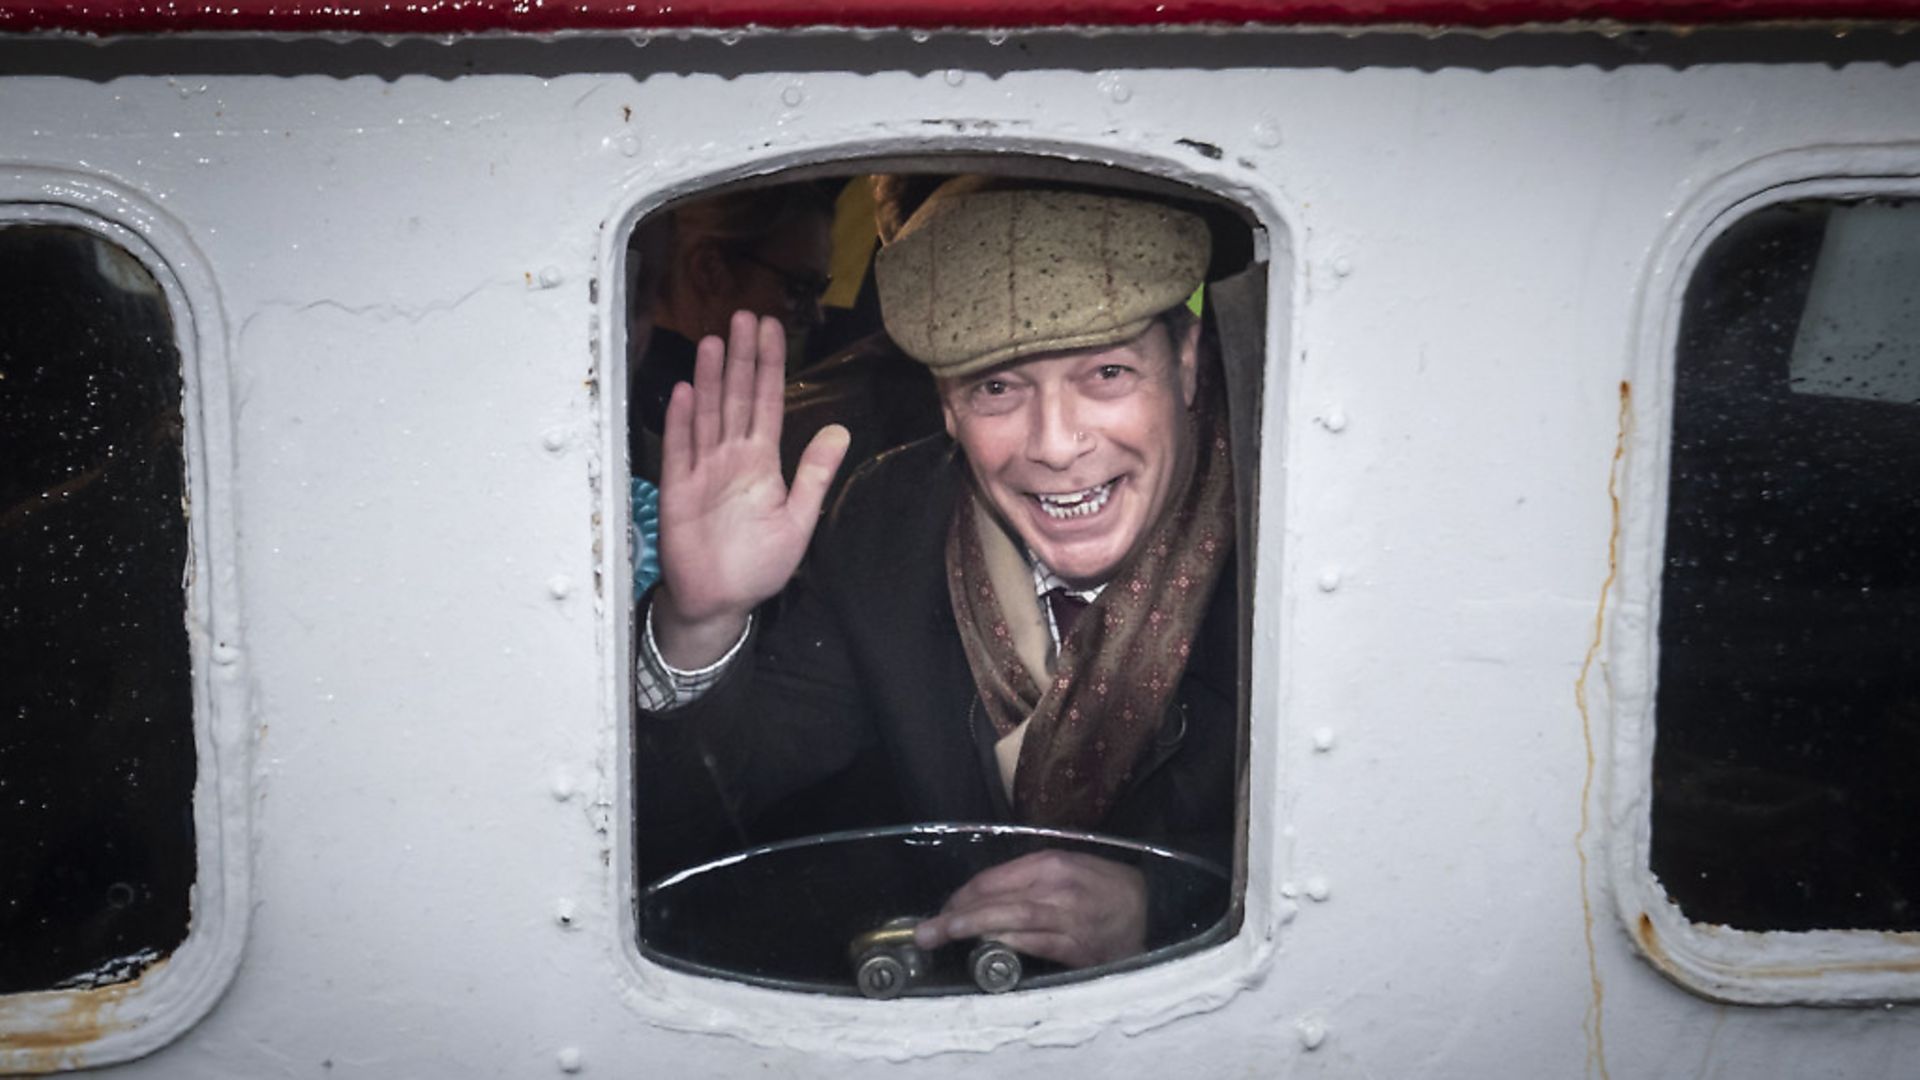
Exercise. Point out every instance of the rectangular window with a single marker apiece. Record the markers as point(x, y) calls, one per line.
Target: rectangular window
point(97, 762)
point(1786, 764)
point(867, 780)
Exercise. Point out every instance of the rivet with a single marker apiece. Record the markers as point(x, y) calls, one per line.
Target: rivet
point(955, 76)
point(569, 1059)
point(224, 653)
point(1266, 134)
point(1329, 579)
point(561, 785)
point(563, 913)
point(550, 277)
point(560, 585)
point(792, 96)
point(1342, 266)
point(628, 145)
point(554, 440)
point(1317, 889)
point(1313, 1031)
point(1323, 739)
point(1334, 421)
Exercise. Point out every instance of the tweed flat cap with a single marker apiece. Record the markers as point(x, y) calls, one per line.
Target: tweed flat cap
point(980, 277)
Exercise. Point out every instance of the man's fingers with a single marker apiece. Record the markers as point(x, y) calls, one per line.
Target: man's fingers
point(770, 379)
point(1049, 945)
point(676, 441)
point(1035, 929)
point(1013, 876)
point(811, 478)
point(736, 408)
point(707, 360)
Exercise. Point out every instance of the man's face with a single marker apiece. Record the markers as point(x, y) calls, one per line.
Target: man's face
point(786, 274)
point(1080, 451)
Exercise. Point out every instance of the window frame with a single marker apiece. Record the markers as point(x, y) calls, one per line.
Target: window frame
point(58, 1030)
point(1825, 967)
point(1135, 1000)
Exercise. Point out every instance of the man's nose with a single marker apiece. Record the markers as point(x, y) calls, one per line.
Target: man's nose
point(1056, 438)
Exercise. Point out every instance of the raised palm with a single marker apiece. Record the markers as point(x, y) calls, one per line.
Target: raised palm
point(731, 532)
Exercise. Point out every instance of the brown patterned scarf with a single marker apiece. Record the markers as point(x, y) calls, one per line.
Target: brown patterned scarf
point(1116, 672)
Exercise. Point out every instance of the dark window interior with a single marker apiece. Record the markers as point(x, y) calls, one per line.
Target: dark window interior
point(96, 706)
point(1787, 760)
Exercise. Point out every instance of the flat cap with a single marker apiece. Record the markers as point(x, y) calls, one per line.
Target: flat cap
point(980, 277)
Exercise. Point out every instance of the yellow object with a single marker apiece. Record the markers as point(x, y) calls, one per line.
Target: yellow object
point(853, 242)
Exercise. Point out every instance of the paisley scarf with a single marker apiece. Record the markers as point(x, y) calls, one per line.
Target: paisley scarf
point(1090, 718)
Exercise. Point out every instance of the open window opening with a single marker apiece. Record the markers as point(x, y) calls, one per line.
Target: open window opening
point(990, 732)
point(1787, 757)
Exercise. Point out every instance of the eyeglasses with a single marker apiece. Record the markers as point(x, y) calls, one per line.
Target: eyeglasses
point(803, 287)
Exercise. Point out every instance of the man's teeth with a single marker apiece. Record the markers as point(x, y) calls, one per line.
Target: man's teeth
point(1076, 504)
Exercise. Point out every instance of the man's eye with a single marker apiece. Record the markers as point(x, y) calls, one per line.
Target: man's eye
point(1111, 371)
point(992, 388)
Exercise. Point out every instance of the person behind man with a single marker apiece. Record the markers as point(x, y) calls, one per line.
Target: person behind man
point(763, 250)
point(1033, 619)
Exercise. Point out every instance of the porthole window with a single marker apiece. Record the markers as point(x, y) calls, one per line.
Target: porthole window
point(1780, 856)
point(97, 755)
point(123, 735)
point(848, 766)
point(1787, 760)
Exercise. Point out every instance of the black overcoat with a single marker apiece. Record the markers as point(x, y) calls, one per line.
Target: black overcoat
point(857, 672)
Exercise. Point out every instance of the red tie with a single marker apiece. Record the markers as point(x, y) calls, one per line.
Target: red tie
point(1066, 609)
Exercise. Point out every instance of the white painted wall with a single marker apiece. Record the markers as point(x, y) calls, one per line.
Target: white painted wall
point(397, 274)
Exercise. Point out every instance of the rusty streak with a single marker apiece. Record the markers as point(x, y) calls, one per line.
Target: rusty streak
point(1594, 1022)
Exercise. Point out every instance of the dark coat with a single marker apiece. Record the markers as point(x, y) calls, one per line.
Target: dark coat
point(858, 666)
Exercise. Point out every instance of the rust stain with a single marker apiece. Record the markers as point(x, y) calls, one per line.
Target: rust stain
point(1649, 940)
point(75, 1020)
point(1594, 1022)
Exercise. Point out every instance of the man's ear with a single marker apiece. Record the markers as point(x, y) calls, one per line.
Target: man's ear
point(1188, 346)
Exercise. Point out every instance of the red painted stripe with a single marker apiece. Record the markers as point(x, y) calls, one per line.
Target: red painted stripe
point(107, 17)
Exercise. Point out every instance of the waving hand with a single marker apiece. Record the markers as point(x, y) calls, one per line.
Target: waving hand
point(731, 533)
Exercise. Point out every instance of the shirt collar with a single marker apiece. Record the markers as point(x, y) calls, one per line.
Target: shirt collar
point(1045, 581)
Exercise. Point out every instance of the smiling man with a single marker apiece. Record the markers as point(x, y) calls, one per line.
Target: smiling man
point(1032, 620)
